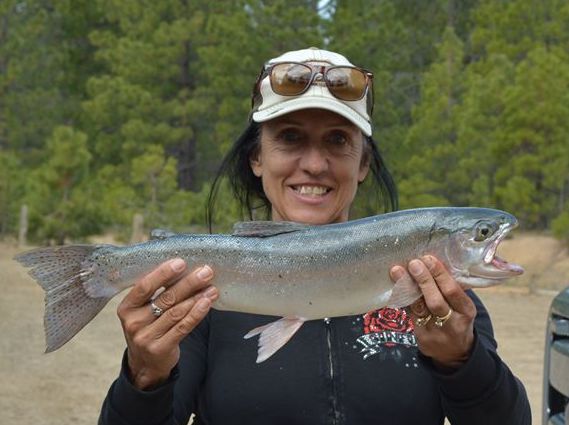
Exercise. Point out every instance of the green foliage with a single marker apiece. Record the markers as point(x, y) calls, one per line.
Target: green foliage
point(483, 104)
point(57, 192)
point(11, 190)
point(110, 108)
point(515, 27)
point(432, 139)
point(560, 226)
point(533, 138)
point(243, 38)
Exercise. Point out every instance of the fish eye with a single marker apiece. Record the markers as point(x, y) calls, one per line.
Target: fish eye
point(483, 231)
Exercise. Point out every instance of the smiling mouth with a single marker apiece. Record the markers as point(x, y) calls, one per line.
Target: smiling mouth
point(311, 191)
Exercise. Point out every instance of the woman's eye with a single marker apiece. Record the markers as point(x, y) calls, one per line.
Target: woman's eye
point(339, 139)
point(290, 136)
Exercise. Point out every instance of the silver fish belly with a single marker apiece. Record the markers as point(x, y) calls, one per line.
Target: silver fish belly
point(291, 270)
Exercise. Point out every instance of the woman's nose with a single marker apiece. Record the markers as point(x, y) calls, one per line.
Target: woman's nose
point(314, 160)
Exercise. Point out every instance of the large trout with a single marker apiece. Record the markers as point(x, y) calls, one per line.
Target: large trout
point(300, 272)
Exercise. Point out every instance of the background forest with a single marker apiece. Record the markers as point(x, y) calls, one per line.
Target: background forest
point(110, 108)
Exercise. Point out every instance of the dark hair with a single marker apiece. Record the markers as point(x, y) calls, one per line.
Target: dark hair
point(248, 188)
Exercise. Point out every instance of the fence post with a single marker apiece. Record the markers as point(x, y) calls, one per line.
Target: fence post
point(23, 231)
point(137, 228)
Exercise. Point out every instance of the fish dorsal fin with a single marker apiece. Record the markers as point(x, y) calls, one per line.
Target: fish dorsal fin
point(262, 229)
point(161, 234)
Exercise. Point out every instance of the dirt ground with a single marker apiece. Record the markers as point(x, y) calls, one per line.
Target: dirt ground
point(68, 386)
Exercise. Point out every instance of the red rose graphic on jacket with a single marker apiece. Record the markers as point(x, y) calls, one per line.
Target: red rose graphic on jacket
point(391, 325)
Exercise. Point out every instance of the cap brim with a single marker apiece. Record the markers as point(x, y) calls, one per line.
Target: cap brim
point(299, 103)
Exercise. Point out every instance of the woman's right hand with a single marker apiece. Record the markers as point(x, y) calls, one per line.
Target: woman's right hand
point(153, 342)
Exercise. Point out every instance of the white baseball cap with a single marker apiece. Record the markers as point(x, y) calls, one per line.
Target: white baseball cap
point(268, 105)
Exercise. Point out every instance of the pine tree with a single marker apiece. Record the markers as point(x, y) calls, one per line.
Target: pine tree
point(516, 27)
point(433, 137)
point(479, 119)
point(59, 202)
point(532, 140)
point(11, 189)
point(30, 102)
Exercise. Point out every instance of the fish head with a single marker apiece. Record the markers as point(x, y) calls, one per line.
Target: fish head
point(474, 235)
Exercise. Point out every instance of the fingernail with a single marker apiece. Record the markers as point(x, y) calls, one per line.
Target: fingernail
point(205, 273)
point(429, 261)
point(203, 304)
point(178, 265)
point(397, 273)
point(415, 266)
point(210, 292)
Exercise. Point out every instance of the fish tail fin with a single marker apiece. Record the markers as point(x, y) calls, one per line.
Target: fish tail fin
point(405, 292)
point(274, 335)
point(70, 304)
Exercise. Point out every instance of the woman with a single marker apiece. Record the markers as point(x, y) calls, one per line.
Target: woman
point(307, 149)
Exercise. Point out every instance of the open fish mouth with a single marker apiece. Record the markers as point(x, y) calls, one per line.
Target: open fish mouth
point(493, 266)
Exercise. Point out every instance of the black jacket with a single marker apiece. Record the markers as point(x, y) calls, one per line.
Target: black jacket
point(347, 370)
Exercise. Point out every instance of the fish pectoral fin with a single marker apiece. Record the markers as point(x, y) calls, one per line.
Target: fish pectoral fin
point(405, 292)
point(274, 335)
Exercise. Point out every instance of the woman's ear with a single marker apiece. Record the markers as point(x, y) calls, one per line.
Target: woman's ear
point(366, 159)
point(364, 170)
point(256, 163)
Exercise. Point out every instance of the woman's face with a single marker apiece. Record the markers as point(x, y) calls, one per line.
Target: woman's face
point(310, 163)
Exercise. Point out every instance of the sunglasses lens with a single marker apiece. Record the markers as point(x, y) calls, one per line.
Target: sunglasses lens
point(290, 79)
point(346, 83)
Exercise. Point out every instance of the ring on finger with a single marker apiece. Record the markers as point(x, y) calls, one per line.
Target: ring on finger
point(156, 311)
point(440, 320)
point(422, 321)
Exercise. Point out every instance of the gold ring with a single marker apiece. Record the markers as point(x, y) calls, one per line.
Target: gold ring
point(440, 321)
point(422, 321)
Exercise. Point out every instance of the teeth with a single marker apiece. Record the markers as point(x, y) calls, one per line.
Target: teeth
point(312, 190)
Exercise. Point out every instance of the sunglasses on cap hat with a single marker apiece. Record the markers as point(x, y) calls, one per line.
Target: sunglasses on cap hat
point(347, 83)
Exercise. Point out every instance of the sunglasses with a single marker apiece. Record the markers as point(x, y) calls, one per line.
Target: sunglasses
point(346, 83)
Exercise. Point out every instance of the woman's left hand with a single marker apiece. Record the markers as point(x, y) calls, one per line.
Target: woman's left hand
point(449, 341)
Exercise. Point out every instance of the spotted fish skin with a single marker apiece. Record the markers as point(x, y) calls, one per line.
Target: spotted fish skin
point(296, 271)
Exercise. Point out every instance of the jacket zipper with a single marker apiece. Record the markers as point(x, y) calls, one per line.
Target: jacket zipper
point(335, 413)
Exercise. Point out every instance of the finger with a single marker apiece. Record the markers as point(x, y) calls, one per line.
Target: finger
point(173, 316)
point(181, 329)
point(455, 296)
point(434, 299)
point(419, 308)
point(184, 288)
point(397, 272)
point(163, 275)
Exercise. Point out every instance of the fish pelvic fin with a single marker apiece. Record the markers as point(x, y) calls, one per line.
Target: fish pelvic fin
point(62, 273)
point(405, 292)
point(274, 335)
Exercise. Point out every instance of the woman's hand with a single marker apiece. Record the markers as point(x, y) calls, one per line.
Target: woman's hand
point(449, 344)
point(153, 342)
